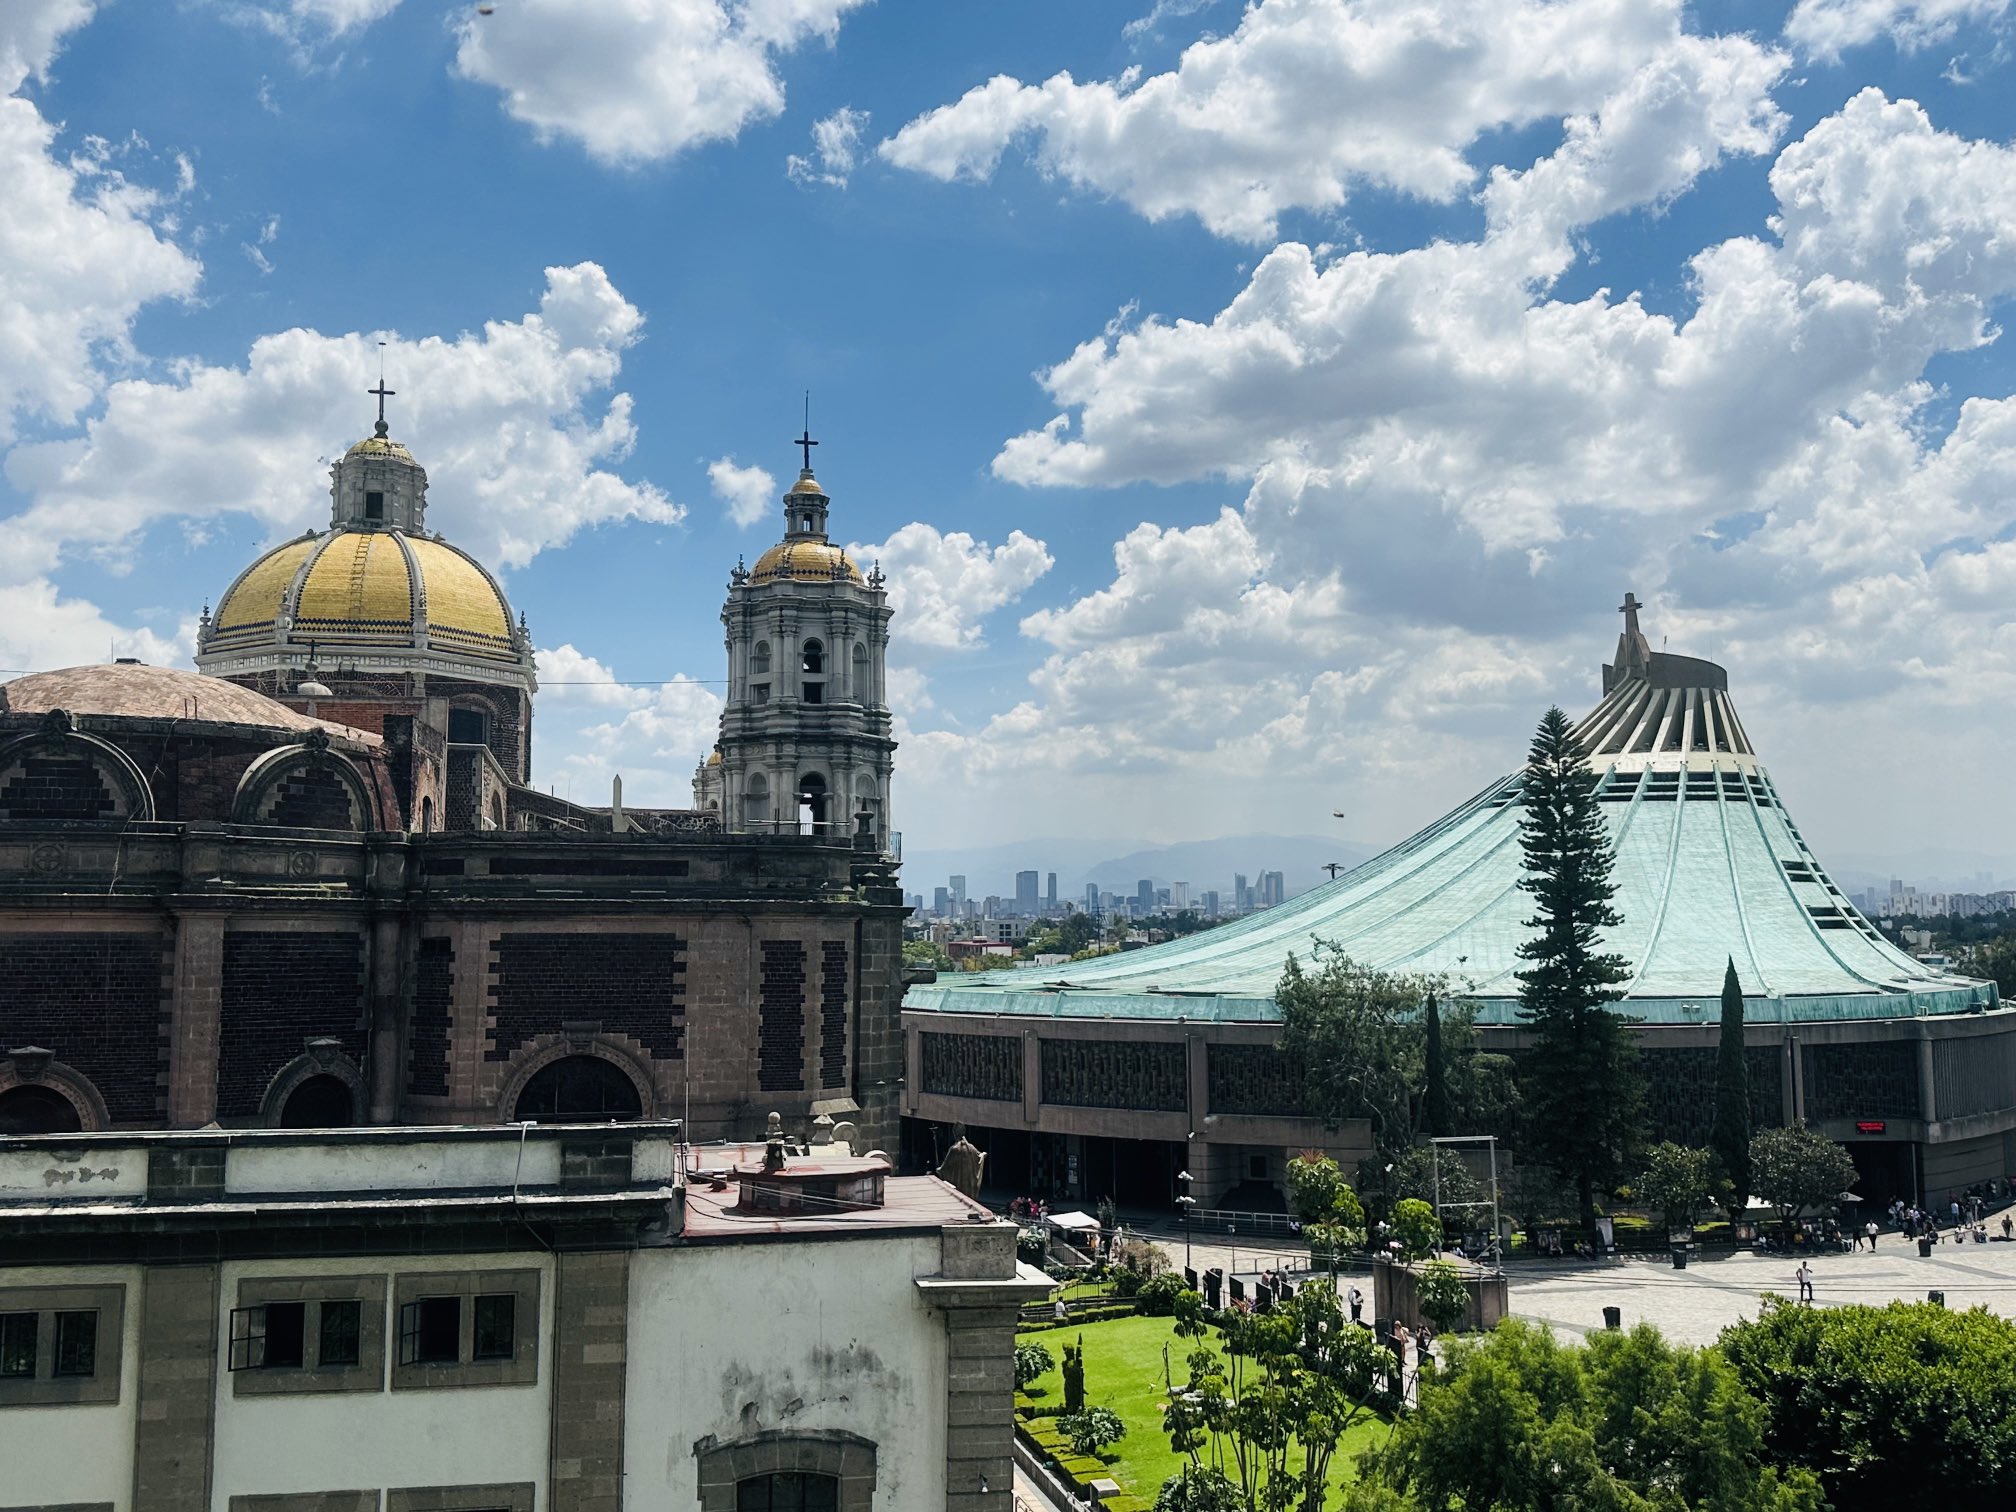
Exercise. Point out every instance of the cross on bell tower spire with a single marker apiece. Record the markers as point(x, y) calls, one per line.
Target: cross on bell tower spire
point(804, 443)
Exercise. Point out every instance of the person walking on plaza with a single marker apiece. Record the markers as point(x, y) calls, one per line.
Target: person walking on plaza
point(1869, 1229)
point(1804, 1275)
point(1357, 1300)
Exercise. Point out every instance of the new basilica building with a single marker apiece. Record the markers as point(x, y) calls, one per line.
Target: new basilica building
point(310, 884)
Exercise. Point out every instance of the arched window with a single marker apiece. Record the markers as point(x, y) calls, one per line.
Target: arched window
point(812, 805)
point(426, 816)
point(320, 1102)
point(759, 659)
point(30, 1109)
point(578, 1089)
point(756, 801)
point(859, 689)
point(815, 659)
point(788, 1491)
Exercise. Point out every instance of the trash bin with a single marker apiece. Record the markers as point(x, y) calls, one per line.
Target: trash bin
point(1925, 1247)
point(1936, 1298)
point(1613, 1318)
point(1679, 1259)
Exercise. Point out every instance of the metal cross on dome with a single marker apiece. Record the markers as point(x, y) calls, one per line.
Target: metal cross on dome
point(804, 442)
point(383, 394)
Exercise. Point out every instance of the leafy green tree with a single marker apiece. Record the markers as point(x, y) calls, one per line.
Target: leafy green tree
point(1093, 1430)
point(1416, 1228)
point(1908, 1405)
point(1675, 1182)
point(1626, 1423)
point(1069, 935)
point(1444, 1299)
point(1269, 1412)
point(1584, 1093)
point(1797, 1169)
point(1730, 1139)
point(926, 956)
point(1032, 1363)
point(1333, 1219)
point(1435, 1076)
point(1995, 959)
point(1416, 1174)
point(1356, 1035)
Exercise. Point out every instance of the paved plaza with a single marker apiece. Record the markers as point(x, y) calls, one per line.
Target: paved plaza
point(1716, 1289)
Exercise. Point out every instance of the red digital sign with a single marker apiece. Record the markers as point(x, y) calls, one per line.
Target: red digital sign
point(1870, 1126)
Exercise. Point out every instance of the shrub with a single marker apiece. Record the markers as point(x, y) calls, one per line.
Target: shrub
point(1157, 1296)
point(1417, 1228)
point(1127, 1282)
point(1197, 1488)
point(1093, 1429)
point(1032, 1361)
point(1444, 1299)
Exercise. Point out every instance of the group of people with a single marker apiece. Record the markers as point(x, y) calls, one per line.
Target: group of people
point(1963, 1218)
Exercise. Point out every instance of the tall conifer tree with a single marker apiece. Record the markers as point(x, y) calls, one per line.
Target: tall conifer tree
point(1584, 1091)
point(1435, 1095)
point(1731, 1137)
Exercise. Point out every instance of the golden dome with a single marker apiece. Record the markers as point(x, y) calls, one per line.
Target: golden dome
point(365, 588)
point(806, 484)
point(379, 446)
point(714, 758)
point(805, 562)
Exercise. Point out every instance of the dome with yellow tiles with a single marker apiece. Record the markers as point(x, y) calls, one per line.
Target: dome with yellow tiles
point(374, 585)
point(355, 587)
point(805, 562)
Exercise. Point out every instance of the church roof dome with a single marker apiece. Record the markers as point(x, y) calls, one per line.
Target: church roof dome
point(133, 690)
point(351, 587)
point(805, 561)
point(380, 446)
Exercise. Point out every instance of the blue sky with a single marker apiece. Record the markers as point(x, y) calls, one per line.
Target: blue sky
point(1265, 419)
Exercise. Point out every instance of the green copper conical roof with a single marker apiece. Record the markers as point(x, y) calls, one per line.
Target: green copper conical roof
point(1710, 867)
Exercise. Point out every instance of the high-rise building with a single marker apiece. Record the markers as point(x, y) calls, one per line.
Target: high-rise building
point(1209, 903)
point(1092, 898)
point(1241, 903)
point(1144, 896)
point(941, 901)
point(1179, 895)
point(1050, 892)
point(1025, 892)
point(958, 889)
point(1273, 889)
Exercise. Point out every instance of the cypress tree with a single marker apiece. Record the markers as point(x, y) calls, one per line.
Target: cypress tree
point(1731, 1137)
point(1435, 1096)
point(1584, 1091)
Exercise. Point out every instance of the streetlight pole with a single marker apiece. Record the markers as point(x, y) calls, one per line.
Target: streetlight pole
point(1185, 1202)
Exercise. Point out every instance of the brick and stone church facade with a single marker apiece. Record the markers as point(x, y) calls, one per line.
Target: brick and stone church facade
point(314, 887)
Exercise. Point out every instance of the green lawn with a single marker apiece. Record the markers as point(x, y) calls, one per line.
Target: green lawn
point(1123, 1371)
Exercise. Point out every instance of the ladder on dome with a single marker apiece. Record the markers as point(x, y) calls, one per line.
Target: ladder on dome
point(358, 562)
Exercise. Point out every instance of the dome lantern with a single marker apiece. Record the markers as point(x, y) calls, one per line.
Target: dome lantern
point(377, 485)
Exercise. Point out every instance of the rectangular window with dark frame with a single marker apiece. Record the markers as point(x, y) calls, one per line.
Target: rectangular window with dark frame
point(496, 1327)
point(430, 1331)
point(17, 1344)
point(342, 1332)
point(468, 727)
point(76, 1344)
point(374, 505)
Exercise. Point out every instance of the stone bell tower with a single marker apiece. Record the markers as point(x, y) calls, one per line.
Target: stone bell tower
point(805, 744)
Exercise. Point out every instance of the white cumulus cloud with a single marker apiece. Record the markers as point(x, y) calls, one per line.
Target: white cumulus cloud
point(515, 425)
point(1827, 28)
point(1304, 101)
point(81, 248)
point(641, 80)
point(943, 583)
point(749, 492)
point(836, 148)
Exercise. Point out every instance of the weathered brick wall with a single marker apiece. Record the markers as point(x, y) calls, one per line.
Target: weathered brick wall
point(427, 1026)
point(99, 1002)
point(632, 984)
point(780, 1043)
point(280, 991)
point(878, 1016)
